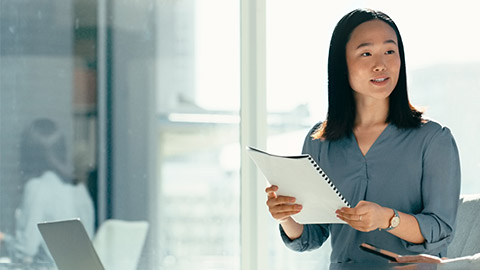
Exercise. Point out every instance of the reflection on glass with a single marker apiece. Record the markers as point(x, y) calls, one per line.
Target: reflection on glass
point(51, 192)
point(165, 51)
point(40, 92)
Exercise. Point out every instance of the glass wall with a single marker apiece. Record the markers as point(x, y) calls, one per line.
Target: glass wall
point(139, 121)
point(47, 124)
point(129, 110)
point(197, 134)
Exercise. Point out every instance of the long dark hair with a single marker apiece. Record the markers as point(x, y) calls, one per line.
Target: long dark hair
point(43, 148)
point(341, 103)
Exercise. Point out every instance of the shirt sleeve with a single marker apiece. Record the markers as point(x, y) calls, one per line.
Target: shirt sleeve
point(313, 237)
point(440, 194)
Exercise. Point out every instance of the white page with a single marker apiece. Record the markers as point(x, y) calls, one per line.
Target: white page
point(297, 177)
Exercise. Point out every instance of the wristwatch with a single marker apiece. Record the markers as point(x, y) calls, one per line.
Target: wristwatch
point(394, 221)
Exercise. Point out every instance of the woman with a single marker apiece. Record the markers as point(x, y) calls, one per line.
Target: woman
point(49, 193)
point(400, 171)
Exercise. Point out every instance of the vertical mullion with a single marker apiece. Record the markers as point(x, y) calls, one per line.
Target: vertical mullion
point(102, 108)
point(252, 130)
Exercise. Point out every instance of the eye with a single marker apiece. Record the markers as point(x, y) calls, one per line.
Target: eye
point(390, 52)
point(366, 54)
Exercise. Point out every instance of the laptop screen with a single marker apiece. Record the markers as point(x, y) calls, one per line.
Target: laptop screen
point(69, 245)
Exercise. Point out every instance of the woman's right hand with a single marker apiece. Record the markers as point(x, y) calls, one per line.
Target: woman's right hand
point(281, 207)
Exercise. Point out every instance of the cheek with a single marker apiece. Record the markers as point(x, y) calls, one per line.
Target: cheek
point(356, 76)
point(394, 66)
point(395, 70)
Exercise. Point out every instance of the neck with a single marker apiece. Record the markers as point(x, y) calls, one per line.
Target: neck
point(371, 112)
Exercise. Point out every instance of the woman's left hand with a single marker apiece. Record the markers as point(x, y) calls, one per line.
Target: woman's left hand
point(366, 216)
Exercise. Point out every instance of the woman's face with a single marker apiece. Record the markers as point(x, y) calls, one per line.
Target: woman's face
point(373, 60)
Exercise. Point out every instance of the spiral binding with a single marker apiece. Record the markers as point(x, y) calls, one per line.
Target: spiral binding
point(325, 177)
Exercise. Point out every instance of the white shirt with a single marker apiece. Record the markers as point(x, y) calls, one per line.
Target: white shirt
point(48, 198)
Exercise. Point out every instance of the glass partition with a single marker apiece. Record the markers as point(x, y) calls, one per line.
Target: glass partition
point(134, 110)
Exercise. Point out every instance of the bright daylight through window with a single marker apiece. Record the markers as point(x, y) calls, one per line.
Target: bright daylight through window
point(120, 112)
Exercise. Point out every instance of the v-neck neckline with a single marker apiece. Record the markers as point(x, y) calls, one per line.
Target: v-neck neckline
point(373, 144)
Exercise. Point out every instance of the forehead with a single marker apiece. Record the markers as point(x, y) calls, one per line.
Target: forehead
point(371, 32)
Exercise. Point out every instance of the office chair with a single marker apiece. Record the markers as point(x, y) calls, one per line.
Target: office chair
point(466, 240)
point(119, 243)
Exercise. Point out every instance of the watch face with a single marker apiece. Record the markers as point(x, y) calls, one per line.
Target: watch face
point(395, 221)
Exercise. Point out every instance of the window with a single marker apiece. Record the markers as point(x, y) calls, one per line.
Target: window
point(146, 95)
point(140, 104)
point(443, 70)
point(197, 135)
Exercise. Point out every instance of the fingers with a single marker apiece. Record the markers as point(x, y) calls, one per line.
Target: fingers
point(284, 207)
point(280, 200)
point(274, 200)
point(283, 215)
point(281, 207)
point(362, 208)
point(284, 211)
point(352, 215)
point(362, 224)
point(346, 216)
point(357, 217)
point(271, 191)
point(365, 216)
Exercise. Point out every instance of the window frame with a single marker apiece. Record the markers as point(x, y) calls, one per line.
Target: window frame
point(253, 132)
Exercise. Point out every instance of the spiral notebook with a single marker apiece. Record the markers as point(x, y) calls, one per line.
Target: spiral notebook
point(301, 177)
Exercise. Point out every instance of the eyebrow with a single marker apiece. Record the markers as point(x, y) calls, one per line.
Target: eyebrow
point(370, 44)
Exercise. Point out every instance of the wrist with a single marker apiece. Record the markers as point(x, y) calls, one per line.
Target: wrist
point(387, 216)
point(287, 220)
point(292, 229)
point(394, 221)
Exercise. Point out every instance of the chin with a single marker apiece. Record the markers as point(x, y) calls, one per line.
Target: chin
point(382, 96)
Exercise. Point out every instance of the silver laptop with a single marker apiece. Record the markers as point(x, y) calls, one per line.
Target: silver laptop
point(69, 245)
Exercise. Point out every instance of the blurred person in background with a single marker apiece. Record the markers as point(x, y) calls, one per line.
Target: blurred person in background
point(50, 193)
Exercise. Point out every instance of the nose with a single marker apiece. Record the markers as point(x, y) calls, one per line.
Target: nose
point(379, 64)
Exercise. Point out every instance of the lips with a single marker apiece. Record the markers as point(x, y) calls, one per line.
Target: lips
point(380, 80)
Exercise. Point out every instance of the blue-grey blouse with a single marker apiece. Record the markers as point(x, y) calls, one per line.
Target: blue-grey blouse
point(416, 171)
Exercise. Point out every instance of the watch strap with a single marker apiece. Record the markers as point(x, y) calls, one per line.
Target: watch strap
point(391, 226)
